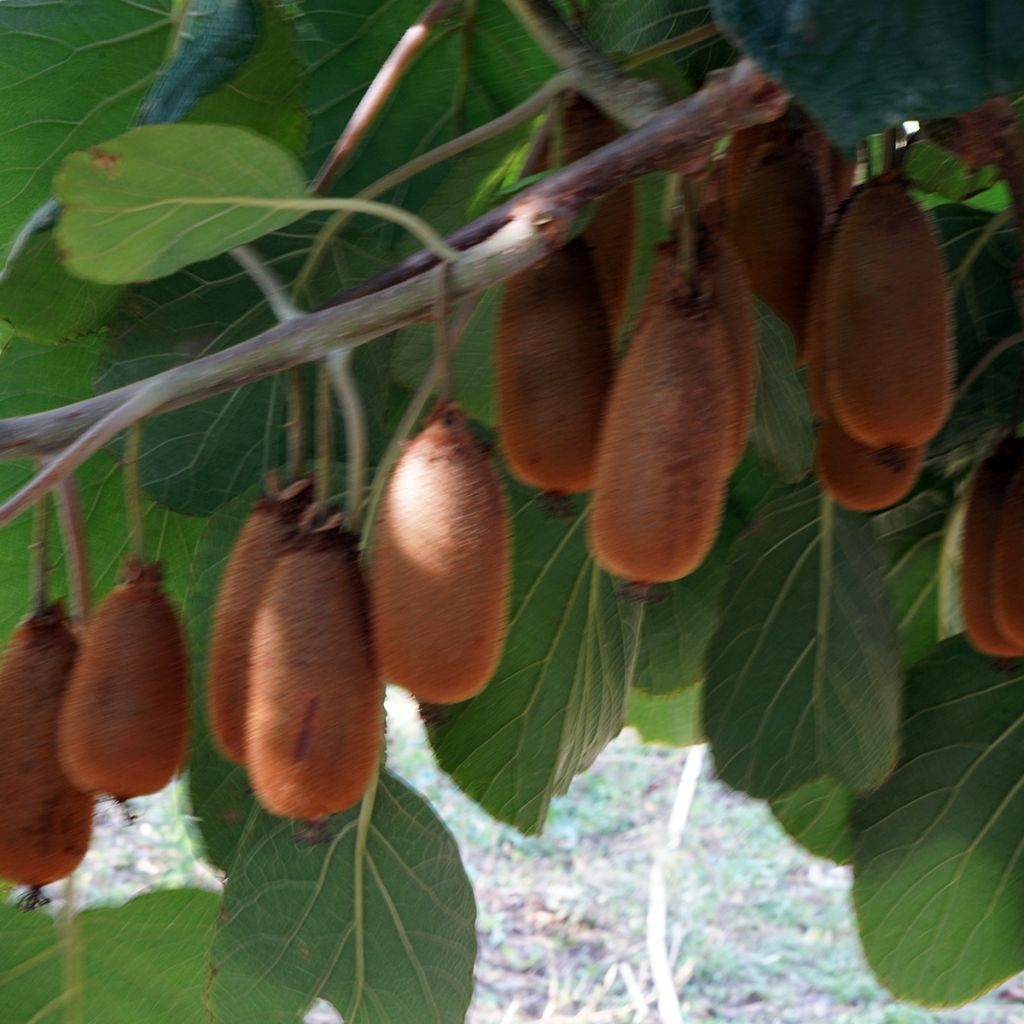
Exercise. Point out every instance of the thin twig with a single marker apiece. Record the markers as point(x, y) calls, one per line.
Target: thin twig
point(442, 330)
point(324, 438)
point(382, 86)
point(339, 370)
point(69, 510)
point(294, 425)
point(133, 492)
point(272, 287)
point(40, 557)
point(670, 46)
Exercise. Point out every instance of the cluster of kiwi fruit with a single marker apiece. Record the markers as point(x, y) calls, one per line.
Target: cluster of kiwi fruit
point(101, 710)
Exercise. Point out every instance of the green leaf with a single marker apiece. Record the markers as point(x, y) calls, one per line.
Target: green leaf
point(782, 432)
point(817, 816)
point(561, 688)
point(72, 75)
point(864, 68)
point(161, 197)
point(934, 169)
point(673, 720)
point(141, 962)
point(804, 677)
point(42, 301)
point(381, 922)
point(937, 864)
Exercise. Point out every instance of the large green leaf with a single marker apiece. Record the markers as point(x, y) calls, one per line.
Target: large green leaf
point(560, 692)
point(804, 677)
point(673, 720)
point(817, 816)
point(380, 919)
point(71, 75)
point(866, 67)
point(144, 961)
point(936, 170)
point(161, 197)
point(937, 849)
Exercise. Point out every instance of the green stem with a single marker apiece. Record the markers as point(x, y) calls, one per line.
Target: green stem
point(359, 882)
point(669, 46)
point(339, 369)
point(71, 959)
point(133, 491)
point(442, 328)
point(324, 437)
point(69, 511)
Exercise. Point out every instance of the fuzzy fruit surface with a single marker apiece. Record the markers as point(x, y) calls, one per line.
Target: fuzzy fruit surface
point(554, 355)
point(263, 538)
point(985, 502)
point(47, 821)
point(886, 324)
point(315, 720)
point(1008, 563)
point(665, 446)
point(441, 565)
point(124, 724)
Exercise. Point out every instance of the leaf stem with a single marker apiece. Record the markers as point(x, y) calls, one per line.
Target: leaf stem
point(383, 85)
point(267, 281)
point(133, 492)
point(69, 511)
point(359, 881)
point(670, 46)
point(71, 960)
point(986, 361)
point(442, 329)
point(339, 370)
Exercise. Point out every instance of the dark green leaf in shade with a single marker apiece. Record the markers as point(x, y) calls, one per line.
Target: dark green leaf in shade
point(161, 197)
point(817, 816)
point(42, 301)
point(860, 69)
point(938, 874)
point(561, 688)
point(804, 675)
point(380, 920)
point(673, 720)
point(72, 75)
point(144, 961)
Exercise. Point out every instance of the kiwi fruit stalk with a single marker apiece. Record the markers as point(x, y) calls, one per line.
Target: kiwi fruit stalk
point(264, 536)
point(47, 820)
point(554, 355)
point(315, 713)
point(441, 564)
point(124, 723)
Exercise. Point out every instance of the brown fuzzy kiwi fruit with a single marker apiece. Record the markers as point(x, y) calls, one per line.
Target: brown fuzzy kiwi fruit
point(124, 724)
point(744, 144)
point(859, 478)
point(47, 821)
point(666, 445)
point(776, 225)
point(733, 299)
point(982, 520)
point(890, 350)
point(611, 233)
point(815, 328)
point(1008, 563)
point(263, 538)
point(315, 718)
point(554, 356)
point(441, 564)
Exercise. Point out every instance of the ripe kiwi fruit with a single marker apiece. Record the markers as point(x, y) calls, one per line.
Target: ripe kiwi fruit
point(775, 225)
point(124, 724)
point(815, 327)
point(744, 144)
point(441, 564)
point(982, 521)
point(315, 714)
point(889, 343)
point(611, 233)
point(666, 444)
point(1008, 563)
point(263, 537)
point(554, 356)
point(859, 478)
point(47, 821)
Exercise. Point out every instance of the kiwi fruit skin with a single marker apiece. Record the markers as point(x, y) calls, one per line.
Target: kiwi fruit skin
point(816, 326)
point(738, 157)
point(47, 821)
point(1008, 563)
point(554, 356)
point(775, 226)
point(859, 478)
point(124, 723)
point(985, 503)
point(666, 447)
point(889, 342)
point(441, 564)
point(263, 538)
point(315, 715)
point(611, 233)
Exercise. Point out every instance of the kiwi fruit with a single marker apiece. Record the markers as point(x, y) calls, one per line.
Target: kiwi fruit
point(889, 340)
point(611, 233)
point(859, 478)
point(554, 356)
point(982, 521)
point(124, 722)
point(1008, 563)
point(441, 564)
point(775, 225)
point(815, 327)
point(742, 147)
point(263, 537)
point(47, 820)
point(666, 444)
point(315, 713)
